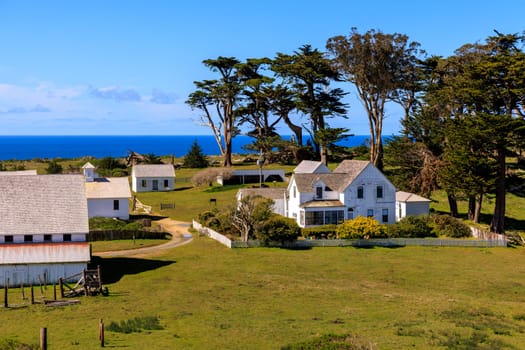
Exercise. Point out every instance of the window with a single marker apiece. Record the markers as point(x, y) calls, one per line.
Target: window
point(294, 191)
point(48, 238)
point(350, 213)
point(385, 215)
point(116, 204)
point(379, 191)
point(333, 216)
point(370, 213)
point(8, 239)
point(166, 183)
point(144, 183)
point(67, 237)
point(28, 238)
point(360, 192)
point(318, 192)
point(314, 218)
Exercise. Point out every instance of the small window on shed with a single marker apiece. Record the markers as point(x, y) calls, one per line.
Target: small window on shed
point(144, 183)
point(48, 238)
point(8, 239)
point(67, 237)
point(116, 204)
point(166, 183)
point(28, 238)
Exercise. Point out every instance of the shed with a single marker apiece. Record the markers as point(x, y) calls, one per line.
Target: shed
point(411, 204)
point(152, 177)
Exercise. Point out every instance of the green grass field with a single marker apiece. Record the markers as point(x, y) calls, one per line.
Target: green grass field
point(206, 296)
point(209, 297)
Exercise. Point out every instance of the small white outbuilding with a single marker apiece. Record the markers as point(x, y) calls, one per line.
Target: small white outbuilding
point(152, 177)
point(410, 204)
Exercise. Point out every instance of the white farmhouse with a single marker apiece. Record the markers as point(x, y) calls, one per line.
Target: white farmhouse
point(106, 196)
point(408, 204)
point(44, 228)
point(152, 177)
point(354, 188)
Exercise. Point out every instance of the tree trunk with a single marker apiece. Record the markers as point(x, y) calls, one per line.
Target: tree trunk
point(497, 224)
point(453, 204)
point(296, 129)
point(471, 207)
point(477, 210)
point(324, 154)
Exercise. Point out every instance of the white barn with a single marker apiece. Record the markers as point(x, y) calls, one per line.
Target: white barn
point(44, 228)
point(408, 204)
point(152, 177)
point(106, 196)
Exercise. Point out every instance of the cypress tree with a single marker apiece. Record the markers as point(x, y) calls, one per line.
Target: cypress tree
point(195, 157)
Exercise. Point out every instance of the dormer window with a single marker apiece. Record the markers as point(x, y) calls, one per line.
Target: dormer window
point(319, 192)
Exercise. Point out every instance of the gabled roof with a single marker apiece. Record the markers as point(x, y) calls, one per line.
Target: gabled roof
point(407, 197)
point(311, 167)
point(88, 165)
point(273, 193)
point(43, 204)
point(108, 187)
point(153, 170)
point(305, 182)
point(18, 172)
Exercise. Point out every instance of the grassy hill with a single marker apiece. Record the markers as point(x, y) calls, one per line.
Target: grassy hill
point(206, 296)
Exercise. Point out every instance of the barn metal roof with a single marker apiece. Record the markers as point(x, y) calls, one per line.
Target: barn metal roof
point(35, 253)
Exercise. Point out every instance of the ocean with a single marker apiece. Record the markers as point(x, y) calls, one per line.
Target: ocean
point(49, 147)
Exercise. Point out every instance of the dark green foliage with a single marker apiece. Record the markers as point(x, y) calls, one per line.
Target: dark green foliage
point(411, 227)
point(446, 225)
point(318, 232)
point(333, 342)
point(278, 229)
point(100, 223)
point(195, 157)
point(136, 325)
point(108, 165)
point(152, 158)
point(53, 167)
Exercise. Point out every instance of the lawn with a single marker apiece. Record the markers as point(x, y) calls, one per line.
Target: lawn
point(209, 297)
point(124, 244)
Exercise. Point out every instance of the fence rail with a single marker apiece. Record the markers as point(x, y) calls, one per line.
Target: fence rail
point(380, 242)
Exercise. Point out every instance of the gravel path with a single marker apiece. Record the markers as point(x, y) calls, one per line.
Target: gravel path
point(179, 236)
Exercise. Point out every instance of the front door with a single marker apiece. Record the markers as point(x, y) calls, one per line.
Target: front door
point(155, 185)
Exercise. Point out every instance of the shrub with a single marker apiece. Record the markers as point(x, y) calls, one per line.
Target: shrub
point(333, 342)
point(136, 324)
point(360, 227)
point(411, 227)
point(446, 225)
point(209, 176)
point(53, 167)
point(278, 229)
point(318, 232)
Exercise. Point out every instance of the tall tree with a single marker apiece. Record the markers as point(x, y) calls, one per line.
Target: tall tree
point(222, 96)
point(378, 65)
point(256, 110)
point(309, 73)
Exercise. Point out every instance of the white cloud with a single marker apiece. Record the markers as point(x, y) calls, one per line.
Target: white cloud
point(161, 97)
point(115, 93)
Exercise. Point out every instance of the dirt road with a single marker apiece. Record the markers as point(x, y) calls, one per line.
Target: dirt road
point(179, 233)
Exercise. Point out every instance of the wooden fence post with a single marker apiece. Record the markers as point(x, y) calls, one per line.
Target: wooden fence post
point(101, 332)
point(61, 286)
point(99, 279)
point(32, 294)
point(54, 291)
point(6, 288)
point(43, 338)
point(22, 289)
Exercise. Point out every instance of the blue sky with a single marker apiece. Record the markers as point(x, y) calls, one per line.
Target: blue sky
point(127, 67)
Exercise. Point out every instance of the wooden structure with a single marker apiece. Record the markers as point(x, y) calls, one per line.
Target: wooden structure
point(90, 283)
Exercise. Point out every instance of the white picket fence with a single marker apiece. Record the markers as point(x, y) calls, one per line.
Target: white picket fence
point(378, 242)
